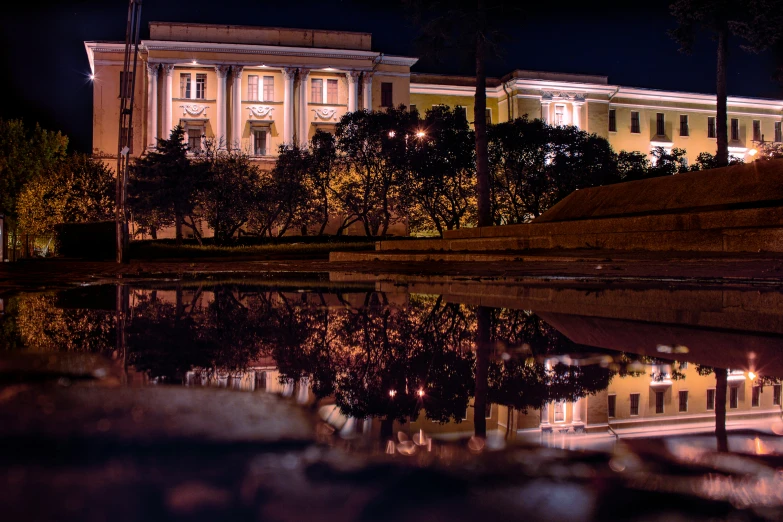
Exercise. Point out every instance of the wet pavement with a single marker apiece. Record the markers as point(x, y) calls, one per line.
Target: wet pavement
point(354, 397)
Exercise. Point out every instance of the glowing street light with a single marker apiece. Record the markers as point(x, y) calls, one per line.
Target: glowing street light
point(420, 393)
point(392, 134)
point(92, 77)
point(752, 152)
point(392, 393)
point(752, 375)
point(420, 134)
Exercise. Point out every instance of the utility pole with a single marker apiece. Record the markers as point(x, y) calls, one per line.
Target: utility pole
point(125, 137)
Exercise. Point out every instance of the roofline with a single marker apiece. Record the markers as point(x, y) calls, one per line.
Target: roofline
point(261, 27)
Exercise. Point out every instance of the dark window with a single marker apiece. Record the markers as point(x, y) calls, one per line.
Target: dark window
point(711, 127)
point(259, 142)
point(461, 112)
point(711, 399)
point(734, 129)
point(778, 132)
point(756, 130)
point(316, 90)
point(201, 86)
point(412, 107)
point(635, 122)
point(184, 85)
point(734, 397)
point(683, 401)
point(660, 128)
point(252, 87)
point(613, 120)
point(776, 395)
point(194, 140)
point(488, 113)
point(331, 91)
point(612, 405)
point(683, 125)
point(386, 94)
point(659, 402)
point(755, 396)
point(488, 411)
point(635, 402)
point(269, 88)
point(126, 84)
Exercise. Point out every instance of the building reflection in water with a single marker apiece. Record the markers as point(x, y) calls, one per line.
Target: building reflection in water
point(410, 368)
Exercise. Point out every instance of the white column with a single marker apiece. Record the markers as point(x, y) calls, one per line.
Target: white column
point(288, 105)
point(220, 123)
point(304, 117)
point(168, 115)
point(353, 90)
point(367, 91)
point(152, 105)
point(236, 115)
point(576, 114)
point(576, 420)
point(545, 110)
point(545, 424)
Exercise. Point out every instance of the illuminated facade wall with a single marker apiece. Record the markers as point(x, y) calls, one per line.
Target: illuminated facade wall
point(611, 111)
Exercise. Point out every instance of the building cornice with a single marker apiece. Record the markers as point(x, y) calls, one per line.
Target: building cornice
point(274, 50)
point(452, 90)
point(702, 99)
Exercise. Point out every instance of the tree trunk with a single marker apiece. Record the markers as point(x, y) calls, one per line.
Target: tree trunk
point(482, 371)
point(178, 227)
point(721, 387)
point(480, 124)
point(722, 156)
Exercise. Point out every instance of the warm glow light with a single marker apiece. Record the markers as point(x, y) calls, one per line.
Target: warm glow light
point(262, 66)
point(391, 134)
point(420, 392)
point(92, 77)
point(420, 134)
point(752, 152)
point(392, 393)
point(751, 375)
point(329, 69)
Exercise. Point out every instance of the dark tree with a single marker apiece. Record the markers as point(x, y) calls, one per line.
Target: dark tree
point(757, 22)
point(472, 27)
point(323, 161)
point(164, 187)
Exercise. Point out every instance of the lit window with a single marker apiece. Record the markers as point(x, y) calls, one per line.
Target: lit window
point(612, 120)
point(711, 127)
point(634, 404)
point(252, 87)
point(755, 397)
point(711, 399)
point(734, 397)
point(194, 139)
point(201, 86)
point(734, 129)
point(660, 124)
point(635, 127)
point(559, 115)
point(316, 90)
point(612, 405)
point(259, 142)
point(684, 131)
point(269, 88)
point(560, 411)
point(659, 402)
point(386, 95)
point(184, 86)
point(756, 130)
point(331, 91)
point(683, 401)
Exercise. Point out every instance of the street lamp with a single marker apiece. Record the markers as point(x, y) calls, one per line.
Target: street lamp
point(420, 134)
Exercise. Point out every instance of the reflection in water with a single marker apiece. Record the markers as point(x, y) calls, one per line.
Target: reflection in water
point(421, 363)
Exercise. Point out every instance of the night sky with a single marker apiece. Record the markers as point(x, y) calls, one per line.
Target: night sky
point(45, 65)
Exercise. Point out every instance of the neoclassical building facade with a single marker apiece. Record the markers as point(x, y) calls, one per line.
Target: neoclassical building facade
point(255, 88)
